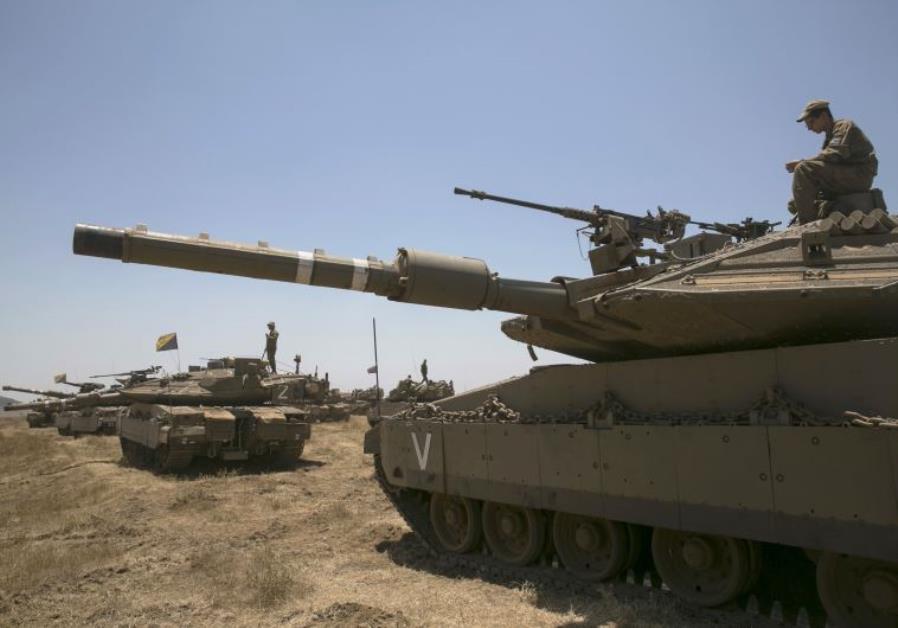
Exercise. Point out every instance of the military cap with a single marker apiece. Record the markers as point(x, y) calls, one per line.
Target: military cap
point(811, 107)
point(271, 323)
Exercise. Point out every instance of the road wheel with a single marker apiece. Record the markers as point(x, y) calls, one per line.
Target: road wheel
point(702, 569)
point(455, 522)
point(858, 591)
point(515, 535)
point(592, 549)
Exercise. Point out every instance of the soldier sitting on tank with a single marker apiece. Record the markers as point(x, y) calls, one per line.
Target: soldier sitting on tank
point(845, 165)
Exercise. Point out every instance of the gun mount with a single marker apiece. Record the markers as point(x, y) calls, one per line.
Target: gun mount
point(618, 236)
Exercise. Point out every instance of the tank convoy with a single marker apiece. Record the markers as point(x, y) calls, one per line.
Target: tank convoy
point(38, 416)
point(734, 431)
point(73, 414)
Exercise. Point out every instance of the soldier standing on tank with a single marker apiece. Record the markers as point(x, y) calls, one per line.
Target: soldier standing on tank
point(424, 371)
point(846, 164)
point(271, 346)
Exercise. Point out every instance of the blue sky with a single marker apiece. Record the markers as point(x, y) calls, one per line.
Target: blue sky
point(345, 126)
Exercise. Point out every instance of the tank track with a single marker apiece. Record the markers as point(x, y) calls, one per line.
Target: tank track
point(787, 595)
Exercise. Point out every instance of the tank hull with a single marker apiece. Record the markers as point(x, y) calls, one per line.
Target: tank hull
point(91, 421)
point(743, 445)
point(170, 438)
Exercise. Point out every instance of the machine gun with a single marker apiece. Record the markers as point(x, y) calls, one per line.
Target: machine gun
point(665, 227)
point(129, 378)
point(748, 229)
point(55, 394)
point(618, 235)
point(83, 387)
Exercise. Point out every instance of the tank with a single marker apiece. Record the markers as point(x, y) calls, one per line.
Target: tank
point(430, 390)
point(733, 434)
point(408, 391)
point(37, 417)
point(71, 414)
point(234, 410)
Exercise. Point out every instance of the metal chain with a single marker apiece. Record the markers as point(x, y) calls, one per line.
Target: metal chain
point(773, 408)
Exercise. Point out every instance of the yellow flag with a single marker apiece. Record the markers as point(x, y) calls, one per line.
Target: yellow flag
point(167, 342)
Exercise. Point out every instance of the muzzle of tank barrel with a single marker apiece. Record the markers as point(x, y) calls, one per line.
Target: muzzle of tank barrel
point(414, 277)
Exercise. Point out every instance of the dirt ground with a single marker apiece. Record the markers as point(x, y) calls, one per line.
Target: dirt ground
point(86, 540)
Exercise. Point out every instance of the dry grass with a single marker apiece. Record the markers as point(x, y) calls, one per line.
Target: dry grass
point(84, 542)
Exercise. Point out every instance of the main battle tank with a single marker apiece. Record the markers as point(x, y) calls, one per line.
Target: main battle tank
point(233, 410)
point(93, 410)
point(71, 414)
point(36, 417)
point(736, 423)
point(408, 391)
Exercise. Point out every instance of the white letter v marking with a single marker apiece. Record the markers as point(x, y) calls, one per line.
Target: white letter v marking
point(422, 458)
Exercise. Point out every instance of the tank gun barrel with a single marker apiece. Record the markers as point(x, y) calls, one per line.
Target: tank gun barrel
point(43, 393)
point(413, 277)
point(72, 403)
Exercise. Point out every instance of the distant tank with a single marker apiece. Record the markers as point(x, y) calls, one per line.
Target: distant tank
point(736, 423)
point(430, 390)
point(234, 410)
point(38, 417)
point(408, 391)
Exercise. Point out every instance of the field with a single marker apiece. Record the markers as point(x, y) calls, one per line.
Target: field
point(87, 540)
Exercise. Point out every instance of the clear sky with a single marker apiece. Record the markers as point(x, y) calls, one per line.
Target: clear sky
point(345, 126)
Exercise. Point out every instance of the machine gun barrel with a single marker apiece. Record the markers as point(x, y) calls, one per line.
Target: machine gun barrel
point(590, 217)
point(43, 393)
point(413, 277)
point(146, 371)
point(666, 226)
point(85, 387)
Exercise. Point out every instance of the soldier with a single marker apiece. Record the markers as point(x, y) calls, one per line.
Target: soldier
point(424, 371)
point(846, 164)
point(271, 346)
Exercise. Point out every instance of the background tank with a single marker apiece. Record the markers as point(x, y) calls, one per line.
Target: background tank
point(70, 413)
point(740, 419)
point(234, 411)
point(37, 417)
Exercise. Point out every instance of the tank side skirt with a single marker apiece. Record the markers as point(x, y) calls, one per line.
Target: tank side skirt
point(506, 470)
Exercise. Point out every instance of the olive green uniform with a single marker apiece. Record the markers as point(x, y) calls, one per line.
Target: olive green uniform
point(271, 347)
point(846, 164)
